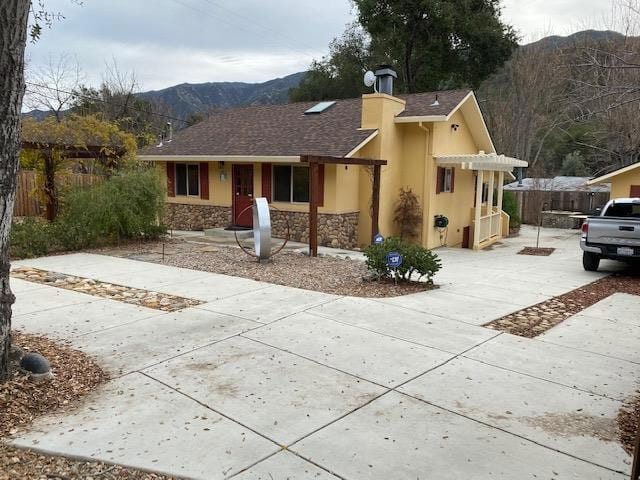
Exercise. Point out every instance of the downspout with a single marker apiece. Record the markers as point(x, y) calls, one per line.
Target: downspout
point(425, 189)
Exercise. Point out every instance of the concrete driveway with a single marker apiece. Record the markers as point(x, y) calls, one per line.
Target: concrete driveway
point(274, 383)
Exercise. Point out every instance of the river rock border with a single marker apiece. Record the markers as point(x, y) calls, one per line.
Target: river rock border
point(120, 293)
point(537, 319)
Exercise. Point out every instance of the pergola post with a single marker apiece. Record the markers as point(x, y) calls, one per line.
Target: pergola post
point(313, 208)
point(314, 190)
point(375, 200)
point(478, 211)
point(492, 178)
point(500, 195)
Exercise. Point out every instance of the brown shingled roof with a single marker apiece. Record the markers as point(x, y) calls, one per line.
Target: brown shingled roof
point(421, 104)
point(284, 130)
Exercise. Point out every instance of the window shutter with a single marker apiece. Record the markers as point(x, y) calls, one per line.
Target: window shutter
point(171, 179)
point(440, 180)
point(453, 179)
point(204, 181)
point(634, 191)
point(266, 181)
point(321, 185)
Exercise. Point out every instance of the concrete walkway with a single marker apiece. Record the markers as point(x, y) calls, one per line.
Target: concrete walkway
point(270, 382)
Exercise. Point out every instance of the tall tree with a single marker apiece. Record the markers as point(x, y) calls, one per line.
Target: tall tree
point(14, 16)
point(116, 101)
point(339, 75)
point(438, 43)
point(52, 86)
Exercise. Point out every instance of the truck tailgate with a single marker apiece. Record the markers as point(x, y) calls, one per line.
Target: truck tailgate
point(614, 231)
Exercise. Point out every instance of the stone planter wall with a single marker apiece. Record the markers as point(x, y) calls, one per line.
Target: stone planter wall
point(179, 216)
point(334, 230)
point(561, 220)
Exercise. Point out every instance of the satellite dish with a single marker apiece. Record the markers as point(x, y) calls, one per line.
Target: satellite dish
point(369, 79)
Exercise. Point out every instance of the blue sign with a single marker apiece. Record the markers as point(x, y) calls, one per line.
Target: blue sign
point(394, 259)
point(378, 239)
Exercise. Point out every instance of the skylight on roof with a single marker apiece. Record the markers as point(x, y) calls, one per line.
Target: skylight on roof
point(319, 108)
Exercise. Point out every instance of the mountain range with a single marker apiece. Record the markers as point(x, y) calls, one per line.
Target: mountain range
point(189, 98)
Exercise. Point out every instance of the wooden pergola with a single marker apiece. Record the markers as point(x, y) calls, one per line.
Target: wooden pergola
point(314, 162)
point(47, 150)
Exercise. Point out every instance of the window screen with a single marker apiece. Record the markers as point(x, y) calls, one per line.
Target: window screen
point(281, 183)
point(300, 184)
point(194, 180)
point(181, 179)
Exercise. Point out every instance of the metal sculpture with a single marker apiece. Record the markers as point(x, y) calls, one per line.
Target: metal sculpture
point(262, 231)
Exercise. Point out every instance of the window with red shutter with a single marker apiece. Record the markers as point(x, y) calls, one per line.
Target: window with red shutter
point(204, 181)
point(171, 179)
point(634, 191)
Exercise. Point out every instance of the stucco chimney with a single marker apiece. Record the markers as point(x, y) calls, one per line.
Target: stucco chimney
point(385, 75)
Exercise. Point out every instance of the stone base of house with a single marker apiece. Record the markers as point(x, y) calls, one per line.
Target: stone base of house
point(334, 230)
point(179, 216)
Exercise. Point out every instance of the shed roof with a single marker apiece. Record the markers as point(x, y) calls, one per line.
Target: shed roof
point(558, 184)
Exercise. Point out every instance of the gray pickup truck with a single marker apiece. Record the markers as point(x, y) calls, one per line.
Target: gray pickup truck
point(614, 234)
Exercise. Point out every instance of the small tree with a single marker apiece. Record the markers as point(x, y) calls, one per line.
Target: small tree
point(408, 214)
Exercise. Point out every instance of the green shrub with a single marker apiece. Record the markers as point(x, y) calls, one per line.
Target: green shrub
point(31, 238)
point(510, 206)
point(416, 260)
point(126, 206)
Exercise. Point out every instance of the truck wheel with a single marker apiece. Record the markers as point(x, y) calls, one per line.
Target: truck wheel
point(590, 261)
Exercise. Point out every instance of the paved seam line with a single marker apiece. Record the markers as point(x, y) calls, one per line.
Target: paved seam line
point(589, 351)
point(512, 434)
point(366, 329)
point(209, 407)
point(315, 361)
point(572, 387)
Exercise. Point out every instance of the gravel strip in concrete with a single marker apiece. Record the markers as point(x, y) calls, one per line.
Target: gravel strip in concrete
point(134, 296)
point(537, 319)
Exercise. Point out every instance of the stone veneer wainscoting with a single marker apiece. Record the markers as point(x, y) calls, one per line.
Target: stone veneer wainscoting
point(179, 216)
point(334, 230)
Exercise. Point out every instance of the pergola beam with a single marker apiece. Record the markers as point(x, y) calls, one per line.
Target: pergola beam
point(314, 162)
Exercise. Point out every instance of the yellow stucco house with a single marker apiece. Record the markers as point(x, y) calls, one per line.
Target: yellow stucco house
point(625, 182)
point(436, 144)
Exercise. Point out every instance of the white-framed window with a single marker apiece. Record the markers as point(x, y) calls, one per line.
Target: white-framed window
point(187, 179)
point(290, 184)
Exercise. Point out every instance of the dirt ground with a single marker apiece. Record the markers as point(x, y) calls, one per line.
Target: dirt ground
point(337, 276)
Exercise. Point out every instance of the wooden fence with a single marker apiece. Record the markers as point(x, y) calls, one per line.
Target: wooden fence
point(531, 202)
point(29, 190)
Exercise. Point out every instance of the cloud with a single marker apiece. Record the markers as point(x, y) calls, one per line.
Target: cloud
point(168, 42)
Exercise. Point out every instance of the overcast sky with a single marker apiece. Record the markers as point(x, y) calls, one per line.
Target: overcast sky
point(168, 42)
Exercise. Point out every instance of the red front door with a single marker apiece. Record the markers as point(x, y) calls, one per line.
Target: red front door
point(242, 195)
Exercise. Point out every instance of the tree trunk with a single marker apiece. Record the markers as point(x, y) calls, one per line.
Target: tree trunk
point(14, 15)
point(50, 191)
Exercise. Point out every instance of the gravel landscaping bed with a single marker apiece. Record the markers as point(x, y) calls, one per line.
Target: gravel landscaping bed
point(337, 276)
point(533, 321)
point(629, 422)
point(22, 400)
point(537, 251)
point(135, 296)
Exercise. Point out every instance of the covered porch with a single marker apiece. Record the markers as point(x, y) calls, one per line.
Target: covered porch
point(489, 222)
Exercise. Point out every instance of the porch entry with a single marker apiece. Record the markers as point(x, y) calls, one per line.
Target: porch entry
point(242, 195)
